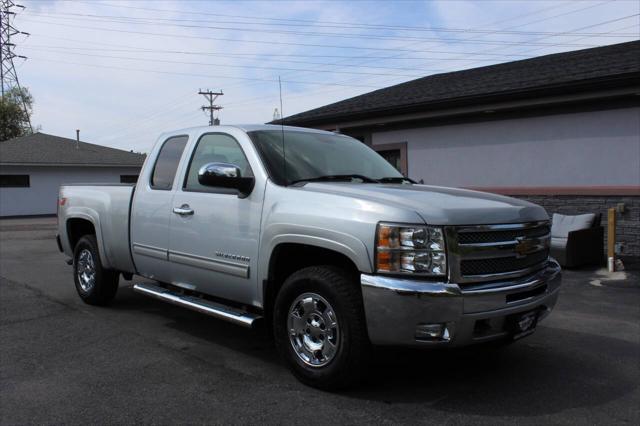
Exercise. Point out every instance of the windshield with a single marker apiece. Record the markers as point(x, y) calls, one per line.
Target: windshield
point(310, 156)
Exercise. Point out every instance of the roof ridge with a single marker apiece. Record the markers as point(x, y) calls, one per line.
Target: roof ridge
point(64, 139)
point(45, 149)
point(551, 70)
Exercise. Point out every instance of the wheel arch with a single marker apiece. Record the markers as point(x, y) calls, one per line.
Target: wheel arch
point(78, 227)
point(82, 223)
point(290, 256)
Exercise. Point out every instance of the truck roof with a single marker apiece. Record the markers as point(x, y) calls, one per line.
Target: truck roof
point(249, 128)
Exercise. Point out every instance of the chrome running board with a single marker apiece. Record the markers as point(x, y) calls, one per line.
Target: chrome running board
point(204, 306)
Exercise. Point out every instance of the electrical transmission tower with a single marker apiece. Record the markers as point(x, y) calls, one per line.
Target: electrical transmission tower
point(8, 74)
point(211, 97)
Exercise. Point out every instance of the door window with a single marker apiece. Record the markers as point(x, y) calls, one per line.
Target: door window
point(166, 165)
point(215, 148)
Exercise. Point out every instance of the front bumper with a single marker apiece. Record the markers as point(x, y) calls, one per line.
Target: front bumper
point(395, 307)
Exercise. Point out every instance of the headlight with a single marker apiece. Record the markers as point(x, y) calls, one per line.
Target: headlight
point(410, 249)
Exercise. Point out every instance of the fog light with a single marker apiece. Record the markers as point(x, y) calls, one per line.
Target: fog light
point(437, 332)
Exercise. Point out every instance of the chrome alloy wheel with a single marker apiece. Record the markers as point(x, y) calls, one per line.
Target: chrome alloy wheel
point(313, 329)
point(86, 270)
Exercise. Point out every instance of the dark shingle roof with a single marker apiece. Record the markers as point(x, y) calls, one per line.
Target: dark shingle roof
point(40, 148)
point(576, 70)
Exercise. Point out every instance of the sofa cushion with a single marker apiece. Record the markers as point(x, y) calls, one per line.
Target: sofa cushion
point(561, 225)
point(559, 242)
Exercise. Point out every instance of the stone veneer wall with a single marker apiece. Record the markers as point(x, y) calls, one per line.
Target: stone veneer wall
point(628, 223)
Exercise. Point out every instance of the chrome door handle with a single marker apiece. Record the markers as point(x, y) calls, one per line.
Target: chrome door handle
point(183, 210)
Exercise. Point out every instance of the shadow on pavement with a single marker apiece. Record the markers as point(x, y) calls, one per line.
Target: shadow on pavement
point(249, 341)
point(552, 371)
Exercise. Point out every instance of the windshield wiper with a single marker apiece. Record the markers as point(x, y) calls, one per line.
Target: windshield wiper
point(329, 178)
point(394, 179)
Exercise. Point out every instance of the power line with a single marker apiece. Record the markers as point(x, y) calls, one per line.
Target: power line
point(251, 101)
point(526, 24)
point(234, 40)
point(295, 69)
point(150, 21)
point(245, 57)
point(577, 29)
point(175, 104)
point(623, 28)
point(530, 23)
point(350, 57)
point(307, 93)
point(318, 23)
point(370, 57)
point(199, 75)
point(153, 128)
point(62, 51)
point(516, 26)
point(399, 55)
point(151, 120)
point(270, 55)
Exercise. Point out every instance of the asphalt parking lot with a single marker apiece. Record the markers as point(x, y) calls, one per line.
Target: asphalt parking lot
point(142, 361)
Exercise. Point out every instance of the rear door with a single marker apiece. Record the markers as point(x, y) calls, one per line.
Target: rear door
point(152, 210)
point(214, 234)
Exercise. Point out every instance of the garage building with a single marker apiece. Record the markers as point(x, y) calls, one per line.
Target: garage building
point(33, 167)
point(562, 130)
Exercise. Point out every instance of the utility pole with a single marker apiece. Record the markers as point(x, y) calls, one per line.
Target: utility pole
point(211, 97)
point(8, 74)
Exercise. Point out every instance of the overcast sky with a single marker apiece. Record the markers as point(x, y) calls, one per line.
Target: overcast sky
point(125, 71)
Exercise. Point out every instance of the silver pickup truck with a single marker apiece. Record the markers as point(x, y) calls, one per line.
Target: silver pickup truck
point(320, 237)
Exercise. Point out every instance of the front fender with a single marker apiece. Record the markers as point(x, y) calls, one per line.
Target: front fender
point(343, 243)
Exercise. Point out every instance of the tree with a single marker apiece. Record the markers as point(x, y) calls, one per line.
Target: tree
point(15, 112)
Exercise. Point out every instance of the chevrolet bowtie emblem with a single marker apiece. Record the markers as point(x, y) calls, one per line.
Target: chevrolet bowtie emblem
point(523, 247)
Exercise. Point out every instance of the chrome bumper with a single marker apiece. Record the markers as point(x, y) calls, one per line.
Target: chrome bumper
point(395, 307)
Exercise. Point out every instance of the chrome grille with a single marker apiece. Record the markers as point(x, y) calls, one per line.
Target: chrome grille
point(501, 264)
point(507, 235)
point(496, 252)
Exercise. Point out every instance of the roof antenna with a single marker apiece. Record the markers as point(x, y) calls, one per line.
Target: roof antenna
point(284, 152)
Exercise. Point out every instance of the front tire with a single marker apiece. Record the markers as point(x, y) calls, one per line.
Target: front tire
point(319, 327)
point(95, 284)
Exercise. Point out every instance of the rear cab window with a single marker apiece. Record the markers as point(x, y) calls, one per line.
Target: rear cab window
point(166, 166)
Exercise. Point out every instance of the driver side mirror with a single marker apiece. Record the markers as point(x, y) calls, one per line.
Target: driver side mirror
point(225, 175)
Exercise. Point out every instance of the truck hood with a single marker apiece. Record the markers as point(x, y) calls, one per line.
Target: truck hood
point(439, 205)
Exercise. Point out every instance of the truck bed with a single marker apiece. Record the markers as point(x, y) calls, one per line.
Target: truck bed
point(108, 208)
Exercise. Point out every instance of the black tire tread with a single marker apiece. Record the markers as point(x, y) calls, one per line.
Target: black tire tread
point(352, 306)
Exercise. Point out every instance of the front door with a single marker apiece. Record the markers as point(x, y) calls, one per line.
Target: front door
point(214, 234)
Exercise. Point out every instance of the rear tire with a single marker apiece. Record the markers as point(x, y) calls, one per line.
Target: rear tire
point(319, 327)
point(95, 284)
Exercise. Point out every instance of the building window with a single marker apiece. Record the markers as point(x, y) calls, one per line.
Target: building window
point(14, 181)
point(128, 178)
point(395, 154)
point(393, 157)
